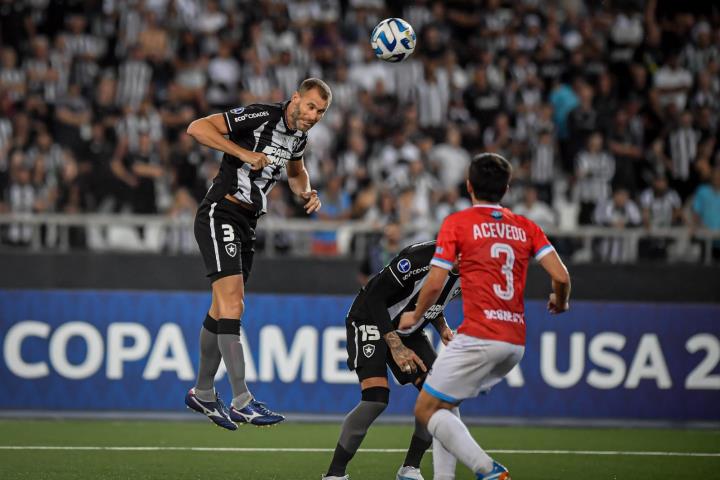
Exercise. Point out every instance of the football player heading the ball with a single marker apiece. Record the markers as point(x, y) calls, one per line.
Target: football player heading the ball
point(373, 345)
point(263, 140)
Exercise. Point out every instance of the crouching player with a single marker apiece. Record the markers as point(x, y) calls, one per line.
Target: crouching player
point(373, 344)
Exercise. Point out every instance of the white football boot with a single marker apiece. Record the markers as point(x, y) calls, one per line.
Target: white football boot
point(409, 473)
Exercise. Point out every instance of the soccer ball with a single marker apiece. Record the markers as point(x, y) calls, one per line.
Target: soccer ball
point(393, 40)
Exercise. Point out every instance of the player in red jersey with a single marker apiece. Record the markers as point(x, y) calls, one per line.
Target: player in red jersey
point(494, 247)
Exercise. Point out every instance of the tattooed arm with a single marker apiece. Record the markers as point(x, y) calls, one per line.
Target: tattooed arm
point(406, 359)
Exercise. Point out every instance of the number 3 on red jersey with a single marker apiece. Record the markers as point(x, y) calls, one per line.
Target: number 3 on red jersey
point(497, 250)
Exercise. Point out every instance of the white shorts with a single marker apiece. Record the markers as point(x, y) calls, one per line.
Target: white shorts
point(470, 365)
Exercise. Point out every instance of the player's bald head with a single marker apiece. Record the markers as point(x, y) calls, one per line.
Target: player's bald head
point(316, 84)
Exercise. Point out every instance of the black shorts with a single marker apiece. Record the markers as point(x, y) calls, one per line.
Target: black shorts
point(225, 233)
point(369, 355)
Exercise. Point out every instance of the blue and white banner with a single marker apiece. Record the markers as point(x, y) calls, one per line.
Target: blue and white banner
point(101, 350)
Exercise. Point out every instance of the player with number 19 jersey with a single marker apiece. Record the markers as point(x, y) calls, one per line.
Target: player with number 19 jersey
point(494, 246)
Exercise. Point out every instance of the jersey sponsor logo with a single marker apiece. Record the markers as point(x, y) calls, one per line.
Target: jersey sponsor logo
point(277, 155)
point(237, 111)
point(231, 249)
point(417, 271)
point(368, 350)
point(433, 312)
point(499, 230)
point(241, 118)
point(504, 315)
point(439, 250)
point(404, 265)
point(496, 214)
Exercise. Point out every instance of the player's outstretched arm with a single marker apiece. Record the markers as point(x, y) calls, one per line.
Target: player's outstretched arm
point(299, 182)
point(210, 131)
point(559, 298)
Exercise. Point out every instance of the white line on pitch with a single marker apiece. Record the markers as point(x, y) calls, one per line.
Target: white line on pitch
point(362, 450)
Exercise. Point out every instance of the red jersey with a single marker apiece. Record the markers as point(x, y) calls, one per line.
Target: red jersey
point(495, 247)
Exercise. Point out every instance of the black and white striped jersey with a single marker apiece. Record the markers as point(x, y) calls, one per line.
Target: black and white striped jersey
point(683, 150)
point(395, 289)
point(134, 78)
point(259, 128)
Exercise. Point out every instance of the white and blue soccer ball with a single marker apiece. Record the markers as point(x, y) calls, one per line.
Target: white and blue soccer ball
point(393, 40)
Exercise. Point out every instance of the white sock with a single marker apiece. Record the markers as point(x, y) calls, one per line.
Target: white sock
point(205, 395)
point(456, 438)
point(443, 461)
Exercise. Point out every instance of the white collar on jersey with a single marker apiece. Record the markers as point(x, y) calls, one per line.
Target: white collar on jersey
point(487, 205)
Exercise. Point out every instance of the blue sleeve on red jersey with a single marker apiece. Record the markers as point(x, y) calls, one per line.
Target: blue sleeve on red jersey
point(446, 246)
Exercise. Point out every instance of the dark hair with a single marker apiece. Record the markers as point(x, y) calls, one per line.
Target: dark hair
point(315, 83)
point(489, 175)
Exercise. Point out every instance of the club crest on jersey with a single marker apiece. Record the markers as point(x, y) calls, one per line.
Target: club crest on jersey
point(237, 111)
point(404, 265)
point(496, 214)
point(294, 143)
point(368, 350)
point(231, 249)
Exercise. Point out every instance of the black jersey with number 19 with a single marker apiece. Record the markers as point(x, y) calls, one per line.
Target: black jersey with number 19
point(258, 128)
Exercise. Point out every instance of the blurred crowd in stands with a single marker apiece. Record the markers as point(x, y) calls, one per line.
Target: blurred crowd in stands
point(608, 109)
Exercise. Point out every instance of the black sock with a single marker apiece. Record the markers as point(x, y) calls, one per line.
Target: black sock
point(339, 462)
point(421, 441)
point(416, 451)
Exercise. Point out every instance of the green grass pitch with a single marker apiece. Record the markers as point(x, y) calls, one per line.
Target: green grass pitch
point(170, 456)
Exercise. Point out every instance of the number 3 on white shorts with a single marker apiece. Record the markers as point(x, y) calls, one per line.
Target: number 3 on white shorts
point(507, 269)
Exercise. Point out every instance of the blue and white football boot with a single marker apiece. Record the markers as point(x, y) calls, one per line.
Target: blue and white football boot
point(497, 473)
point(255, 413)
point(215, 411)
